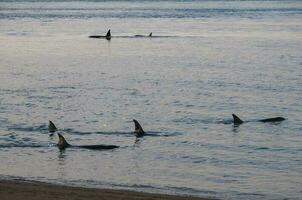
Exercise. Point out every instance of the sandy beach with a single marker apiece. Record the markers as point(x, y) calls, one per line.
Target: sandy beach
point(11, 189)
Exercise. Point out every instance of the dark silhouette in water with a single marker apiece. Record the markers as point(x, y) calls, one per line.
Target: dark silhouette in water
point(138, 131)
point(150, 35)
point(52, 128)
point(237, 121)
point(63, 144)
point(107, 36)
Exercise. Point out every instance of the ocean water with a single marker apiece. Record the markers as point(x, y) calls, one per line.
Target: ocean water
point(209, 59)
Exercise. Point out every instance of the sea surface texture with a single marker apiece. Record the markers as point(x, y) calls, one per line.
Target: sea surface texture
point(207, 60)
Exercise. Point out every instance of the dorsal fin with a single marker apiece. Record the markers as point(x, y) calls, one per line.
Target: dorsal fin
point(237, 120)
point(108, 35)
point(51, 127)
point(62, 144)
point(139, 132)
point(150, 35)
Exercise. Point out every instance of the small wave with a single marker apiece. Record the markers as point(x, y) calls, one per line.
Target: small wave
point(12, 140)
point(261, 148)
point(252, 195)
point(161, 134)
point(156, 36)
point(153, 188)
point(203, 121)
point(28, 129)
point(149, 10)
point(127, 134)
point(61, 87)
point(19, 145)
point(72, 131)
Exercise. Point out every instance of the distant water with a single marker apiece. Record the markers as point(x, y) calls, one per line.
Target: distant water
point(210, 59)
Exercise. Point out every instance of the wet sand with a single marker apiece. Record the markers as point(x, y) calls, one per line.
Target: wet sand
point(24, 190)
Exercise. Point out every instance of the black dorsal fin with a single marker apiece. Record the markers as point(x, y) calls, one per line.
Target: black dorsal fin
point(150, 35)
point(139, 132)
point(237, 120)
point(51, 127)
point(62, 144)
point(108, 35)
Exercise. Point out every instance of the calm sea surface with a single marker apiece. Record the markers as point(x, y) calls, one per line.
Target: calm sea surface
point(210, 59)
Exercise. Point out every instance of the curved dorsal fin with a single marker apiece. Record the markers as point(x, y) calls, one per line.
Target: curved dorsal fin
point(138, 129)
point(150, 35)
point(237, 120)
point(51, 127)
point(62, 144)
point(108, 35)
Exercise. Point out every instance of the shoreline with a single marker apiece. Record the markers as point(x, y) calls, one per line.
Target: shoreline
point(33, 190)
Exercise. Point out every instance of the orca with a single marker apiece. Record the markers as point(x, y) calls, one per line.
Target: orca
point(237, 121)
point(150, 35)
point(107, 36)
point(51, 127)
point(63, 144)
point(138, 131)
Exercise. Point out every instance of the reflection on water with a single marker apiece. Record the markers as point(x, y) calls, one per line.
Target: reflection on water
point(137, 142)
point(61, 156)
point(61, 164)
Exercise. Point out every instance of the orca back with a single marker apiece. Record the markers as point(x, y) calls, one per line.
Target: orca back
point(98, 147)
point(107, 36)
point(274, 119)
point(96, 36)
point(62, 144)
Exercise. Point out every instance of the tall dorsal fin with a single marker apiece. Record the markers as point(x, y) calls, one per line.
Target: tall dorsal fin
point(150, 35)
point(62, 144)
point(237, 120)
point(108, 35)
point(51, 127)
point(138, 129)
